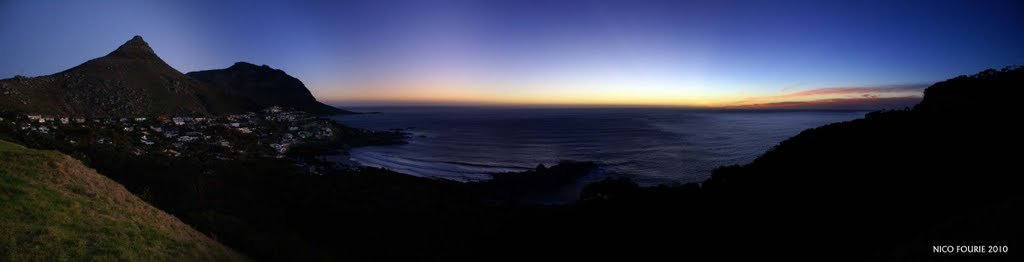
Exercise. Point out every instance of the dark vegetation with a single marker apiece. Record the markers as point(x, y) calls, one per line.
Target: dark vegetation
point(513, 187)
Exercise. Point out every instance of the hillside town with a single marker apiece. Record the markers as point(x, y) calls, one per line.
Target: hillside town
point(269, 133)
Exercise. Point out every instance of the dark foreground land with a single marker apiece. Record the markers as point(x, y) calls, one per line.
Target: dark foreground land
point(53, 208)
point(887, 187)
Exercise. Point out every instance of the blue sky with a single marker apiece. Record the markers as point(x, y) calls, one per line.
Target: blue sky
point(689, 53)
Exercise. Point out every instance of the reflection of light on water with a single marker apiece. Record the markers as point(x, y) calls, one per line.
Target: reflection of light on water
point(457, 172)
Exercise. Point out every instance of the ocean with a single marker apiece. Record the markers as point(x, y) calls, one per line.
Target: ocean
point(651, 145)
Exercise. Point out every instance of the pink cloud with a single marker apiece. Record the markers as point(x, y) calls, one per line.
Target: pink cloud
point(853, 91)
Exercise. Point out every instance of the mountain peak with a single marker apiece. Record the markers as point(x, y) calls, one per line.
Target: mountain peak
point(247, 65)
point(135, 47)
point(265, 86)
point(130, 81)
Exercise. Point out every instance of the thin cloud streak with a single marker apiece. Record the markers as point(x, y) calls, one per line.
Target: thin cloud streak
point(917, 88)
point(864, 103)
point(875, 97)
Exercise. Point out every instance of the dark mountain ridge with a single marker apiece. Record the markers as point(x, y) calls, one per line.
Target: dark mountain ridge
point(266, 87)
point(130, 81)
point(133, 81)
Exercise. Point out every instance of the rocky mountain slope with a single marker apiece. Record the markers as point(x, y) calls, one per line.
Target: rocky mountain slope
point(130, 81)
point(265, 86)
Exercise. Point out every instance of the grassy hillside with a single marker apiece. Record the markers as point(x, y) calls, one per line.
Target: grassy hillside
point(54, 208)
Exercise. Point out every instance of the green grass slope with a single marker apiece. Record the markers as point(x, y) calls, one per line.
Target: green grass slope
point(53, 208)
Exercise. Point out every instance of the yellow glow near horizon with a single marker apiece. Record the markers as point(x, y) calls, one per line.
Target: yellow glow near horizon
point(468, 92)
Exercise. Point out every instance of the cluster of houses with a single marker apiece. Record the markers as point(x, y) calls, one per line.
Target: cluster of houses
point(275, 130)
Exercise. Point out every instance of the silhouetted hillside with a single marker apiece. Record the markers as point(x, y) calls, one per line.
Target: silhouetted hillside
point(885, 187)
point(992, 92)
point(266, 87)
point(513, 187)
point(130, 81)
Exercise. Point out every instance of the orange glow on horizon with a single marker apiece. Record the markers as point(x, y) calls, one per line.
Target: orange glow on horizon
point(457, 93)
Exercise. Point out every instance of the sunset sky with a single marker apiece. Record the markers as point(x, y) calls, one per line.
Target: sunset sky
point(660, 53)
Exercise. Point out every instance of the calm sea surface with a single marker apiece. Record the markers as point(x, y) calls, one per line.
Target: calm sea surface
point(651, 145)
